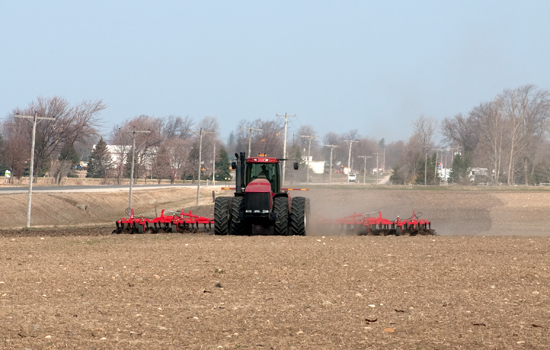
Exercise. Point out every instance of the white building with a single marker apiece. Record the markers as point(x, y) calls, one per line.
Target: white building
point(118, 153)
point(318, 167)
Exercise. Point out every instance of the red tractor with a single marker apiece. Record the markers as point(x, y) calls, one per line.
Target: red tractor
point(260, 205)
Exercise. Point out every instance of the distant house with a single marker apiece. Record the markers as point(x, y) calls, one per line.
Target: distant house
point(477, 174)
point(318, 167)
point(118, 153)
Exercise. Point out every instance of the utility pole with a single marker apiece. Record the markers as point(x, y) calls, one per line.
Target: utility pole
point(134, 133)
point(35, 120)
point(284, 144)
point(384, 161)
point(365, 168)
point(435, 174)
point(250, 137)
point(377, 169)
point(214, 166)
point(426, 169)
point(200, 161)
point(349, 156)
point(309, 137)
point(445, 165)
point(331, 148)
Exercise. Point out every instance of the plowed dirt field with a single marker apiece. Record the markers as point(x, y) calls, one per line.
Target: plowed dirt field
point(85, 288)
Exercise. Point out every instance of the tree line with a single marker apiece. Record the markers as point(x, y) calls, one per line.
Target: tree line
point(507, 135)
point(169, 149)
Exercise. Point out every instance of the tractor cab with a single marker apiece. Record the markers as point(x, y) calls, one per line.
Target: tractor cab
point(267, 168)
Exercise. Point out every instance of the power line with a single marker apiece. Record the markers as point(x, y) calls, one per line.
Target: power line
point(35, 120)
point(309, 137)
point(349, 156)
point(331, 148)
point(286, 116)
point(201, 132)
point(134, 133)
point(365, 167)
point(250, 137)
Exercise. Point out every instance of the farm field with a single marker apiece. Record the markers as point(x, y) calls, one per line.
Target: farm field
point(481, 283)
point(174, 291)
point(470, 211)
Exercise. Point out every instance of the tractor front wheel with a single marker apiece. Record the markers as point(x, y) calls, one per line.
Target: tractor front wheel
point(299, 216)
point(280, 208)
point(222, 216)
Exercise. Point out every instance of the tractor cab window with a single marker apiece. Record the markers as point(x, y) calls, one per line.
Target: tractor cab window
point(268, 171)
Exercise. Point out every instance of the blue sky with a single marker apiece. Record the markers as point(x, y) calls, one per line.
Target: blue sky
point(374, 66)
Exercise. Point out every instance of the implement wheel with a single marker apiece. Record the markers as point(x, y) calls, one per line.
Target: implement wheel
point(237, 227)
point(222, 215)
point(140, 228)
point(398, 231)
point(280, 208)
point(299, 216)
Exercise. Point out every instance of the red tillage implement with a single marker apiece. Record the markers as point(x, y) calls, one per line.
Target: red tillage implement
point(184, 222)
point(365, 224)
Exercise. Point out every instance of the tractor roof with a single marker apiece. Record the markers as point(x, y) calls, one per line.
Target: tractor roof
point(262, 160)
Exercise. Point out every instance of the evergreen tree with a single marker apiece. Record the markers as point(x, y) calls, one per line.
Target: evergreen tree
point(69, 153)
point(100, 161)
point(459, 169)
point(397, 177)
point(429, 174)
point(222, 166)
point(68, 159)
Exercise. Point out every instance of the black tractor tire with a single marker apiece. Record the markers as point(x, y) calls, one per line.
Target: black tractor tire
point(299, 216)
point(238, 228)
point(280, 208)
point(222, 215)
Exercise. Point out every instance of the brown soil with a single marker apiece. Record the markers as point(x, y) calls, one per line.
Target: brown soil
point(93, 208)
point(456, 212)
point(85, 288)
point(173, 291)
point(452, 212)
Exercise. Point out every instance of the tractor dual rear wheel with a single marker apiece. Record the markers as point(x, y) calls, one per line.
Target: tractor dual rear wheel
point(299, 216)
point(280, 208)
point(222, 215)
point(237, 227)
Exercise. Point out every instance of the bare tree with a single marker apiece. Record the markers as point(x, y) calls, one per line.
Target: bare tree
point(72, 125)
point(462, 131)
point(415, 151)
point(178, 151)
point(424, 130)
point(161, 166)
point(146, 143)
point(176, 126)
point(270, 139)
point(526, 112)
point(488, 120)
point(16, 148)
